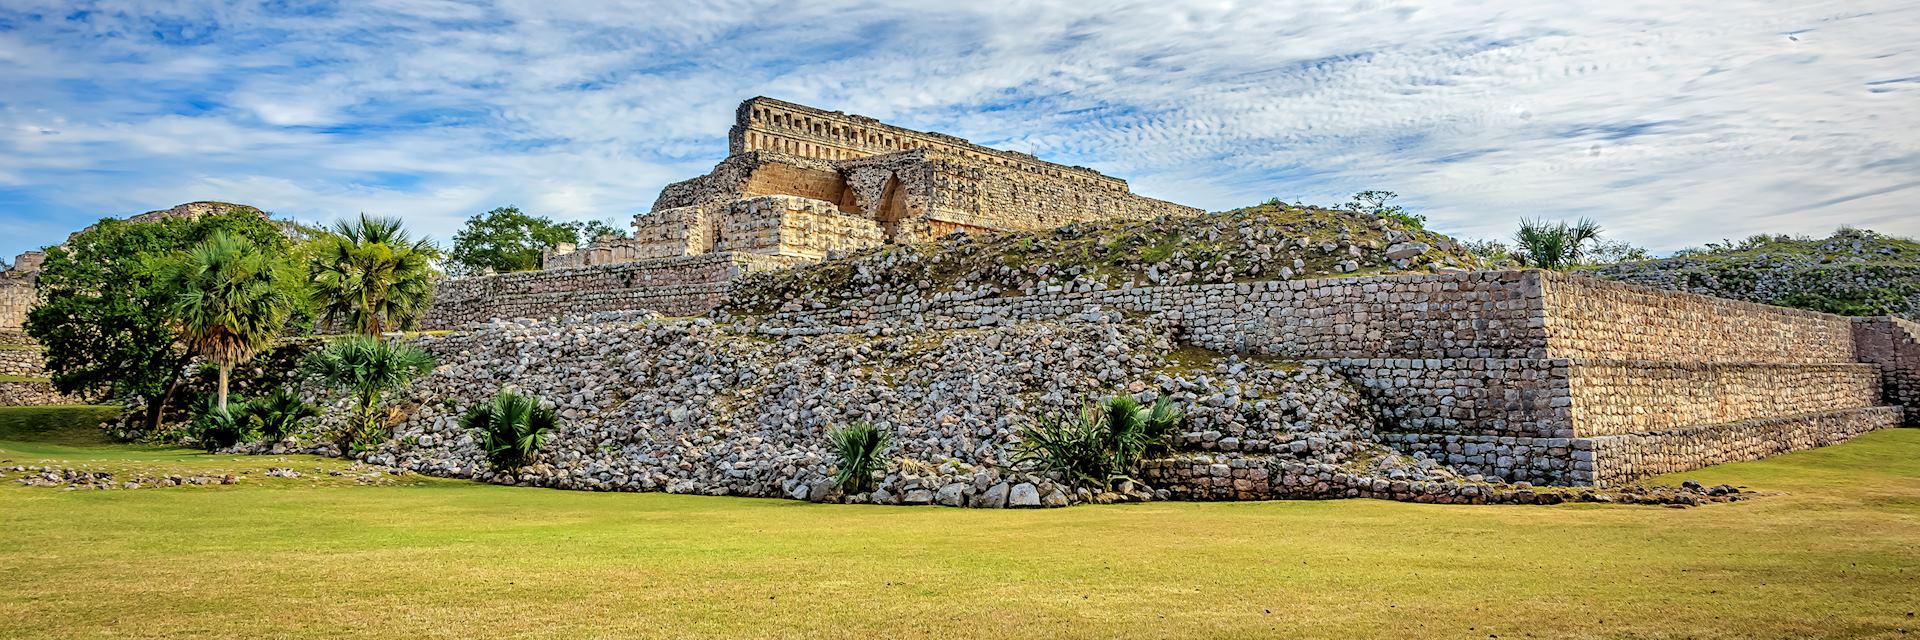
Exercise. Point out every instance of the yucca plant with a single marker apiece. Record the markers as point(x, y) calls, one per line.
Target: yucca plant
point(857, 448)
point(278, 414)
point(367, 368)
point(1077, 446)
point(511, 428)
point(220, 427)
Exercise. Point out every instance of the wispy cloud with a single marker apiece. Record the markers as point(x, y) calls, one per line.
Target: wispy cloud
point(1671, 123)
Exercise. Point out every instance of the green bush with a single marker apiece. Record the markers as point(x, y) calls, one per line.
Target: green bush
point(1099, 445)
point(511, 428)
point(277, 415)
point(367, 368)
point(857, 448)
point(217, 428)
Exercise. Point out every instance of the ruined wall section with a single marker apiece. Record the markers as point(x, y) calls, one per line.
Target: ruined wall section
point(682, 286)
point(1893, 346)
point(17, 294)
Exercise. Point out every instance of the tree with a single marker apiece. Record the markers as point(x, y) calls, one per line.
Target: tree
point(1542, 245)
point(1616, 251)
point(372, 275)
point(367, 367)
point(505, 240)
point(106, 324)
point(1379, 204)
point(230, 299)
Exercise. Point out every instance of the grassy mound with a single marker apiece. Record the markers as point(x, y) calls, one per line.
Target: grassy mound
point(1853, 272)
point(1266, 242)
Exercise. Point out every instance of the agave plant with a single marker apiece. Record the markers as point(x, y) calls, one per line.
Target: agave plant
point(278, 414)
point(858, 448)
point(221, 427)
point(511, 428)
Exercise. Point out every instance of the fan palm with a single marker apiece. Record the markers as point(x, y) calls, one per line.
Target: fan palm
point(230, 300)
point(367, 367)
point(372, 275)
point(1554, 246)
point(511, 428)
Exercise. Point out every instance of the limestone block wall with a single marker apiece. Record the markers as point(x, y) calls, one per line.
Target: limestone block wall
point(1893, 345)
point(1603, 320)
point(22, 361)
point(1612, 397)
point(794, 227)
point(33, 393)
point(676, 286)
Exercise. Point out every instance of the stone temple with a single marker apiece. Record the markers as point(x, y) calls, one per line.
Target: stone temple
point(797, 184)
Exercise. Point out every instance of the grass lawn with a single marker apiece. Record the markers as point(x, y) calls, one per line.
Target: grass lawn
point(1836, 554)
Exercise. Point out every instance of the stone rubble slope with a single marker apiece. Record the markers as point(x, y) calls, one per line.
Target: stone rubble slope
point(693, 406)
point(1267, 242)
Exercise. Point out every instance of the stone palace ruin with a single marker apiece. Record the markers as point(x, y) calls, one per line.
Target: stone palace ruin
point(1320, 353)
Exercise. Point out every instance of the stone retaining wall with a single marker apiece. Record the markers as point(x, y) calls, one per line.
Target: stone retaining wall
point(32, 394)
point(22, 361)
point(1600, 320)
point(1621, 397)
point(1618, 459)
point(677, 286)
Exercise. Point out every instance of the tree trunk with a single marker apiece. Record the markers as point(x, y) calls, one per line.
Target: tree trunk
point(157, 411)
point(224, 368)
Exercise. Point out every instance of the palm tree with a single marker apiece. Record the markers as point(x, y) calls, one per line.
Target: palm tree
point(367, 367)
point(230, 300)
point(371, 274)
point(1553, 246)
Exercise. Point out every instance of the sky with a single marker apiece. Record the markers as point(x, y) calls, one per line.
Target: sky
point(1671, 123)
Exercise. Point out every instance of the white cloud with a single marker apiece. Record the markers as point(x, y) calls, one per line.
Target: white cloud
point(1671, 123)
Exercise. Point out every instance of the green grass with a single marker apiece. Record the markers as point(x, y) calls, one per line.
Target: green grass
point(14, 378)
point(1837, 553)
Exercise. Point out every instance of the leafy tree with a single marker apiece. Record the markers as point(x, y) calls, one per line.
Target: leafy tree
point(230, 299)
point(371, 274)
point(1542, 245)
point(505, 240)
point(367, 367)
point(105, 322)
point(1380, 204)
point(1616, 251)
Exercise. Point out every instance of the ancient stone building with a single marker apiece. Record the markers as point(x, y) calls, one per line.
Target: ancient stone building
point(799, 182)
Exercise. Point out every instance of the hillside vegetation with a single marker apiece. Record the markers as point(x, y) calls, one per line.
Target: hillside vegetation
point(1853, 272)
point(1265, 242)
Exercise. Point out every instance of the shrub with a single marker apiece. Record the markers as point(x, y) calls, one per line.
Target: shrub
point(367, 368)
point(1077, 446)
point(1100, 445)
point(511, 428)
point(278, 414)
point(857, 447)
point(218, 428)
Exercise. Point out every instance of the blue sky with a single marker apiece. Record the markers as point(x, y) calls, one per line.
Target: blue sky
point(1670, 123)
